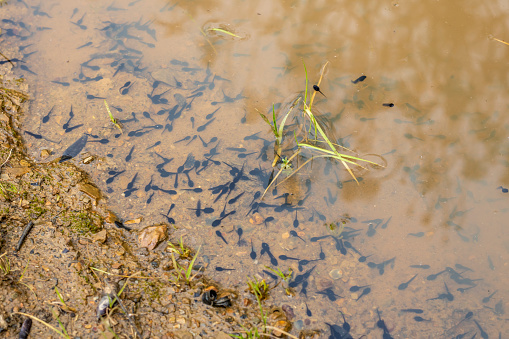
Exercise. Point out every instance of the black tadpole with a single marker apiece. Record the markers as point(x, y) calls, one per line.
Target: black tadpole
point(316, 88)
point(253, 252)
point(24, 235)
point(322, 254)
point(221, 269)
point(294, 234)
point(308, 312)
point(404, 285)
point(220, 235)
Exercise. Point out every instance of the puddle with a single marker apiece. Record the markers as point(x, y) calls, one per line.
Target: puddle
point(192, 141)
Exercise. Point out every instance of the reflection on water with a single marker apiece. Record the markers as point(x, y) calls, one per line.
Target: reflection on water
point(423, 240)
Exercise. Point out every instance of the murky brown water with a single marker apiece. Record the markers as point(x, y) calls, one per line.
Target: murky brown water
point(436, 203)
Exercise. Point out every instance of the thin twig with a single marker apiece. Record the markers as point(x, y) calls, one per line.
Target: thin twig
point(502, 41)
point(2, 165)
point(127, 314)
point(122, 276)
point(24, 235)
point(6, 58)
point(282, 331)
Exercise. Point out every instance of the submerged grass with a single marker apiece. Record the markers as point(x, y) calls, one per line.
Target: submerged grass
point(314, 139)
point(260, 290)
point(223, 31)
point(181, 272)
point(113, 120)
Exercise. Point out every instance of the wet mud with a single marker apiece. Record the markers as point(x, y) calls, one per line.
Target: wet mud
point(65, 261)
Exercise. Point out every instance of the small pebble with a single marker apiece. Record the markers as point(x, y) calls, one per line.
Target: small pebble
point(336, 274)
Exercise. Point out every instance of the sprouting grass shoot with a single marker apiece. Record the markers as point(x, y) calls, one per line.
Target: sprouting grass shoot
point(223, 31)
point(113, 120)
point(313, 137)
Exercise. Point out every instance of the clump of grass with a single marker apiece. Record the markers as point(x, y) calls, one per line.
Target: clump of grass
point(313, 137)
point(284, 277)
point(182, 273)
point(8, 189)
point(5, 264)
point(180, 249)
point(260, 290)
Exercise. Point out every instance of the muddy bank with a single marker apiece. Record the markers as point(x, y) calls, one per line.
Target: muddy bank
point(74, 254)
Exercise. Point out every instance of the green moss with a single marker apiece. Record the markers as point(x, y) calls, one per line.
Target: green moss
point(152, 289)
point(37, 206)
point(84, 222)
point(8, 190)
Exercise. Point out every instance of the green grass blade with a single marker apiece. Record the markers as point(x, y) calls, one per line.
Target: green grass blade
point(282, 125)
point(335, 153)
point(190, 268)
point(330, 154)
point(223, 31)
point(274, 117)
point(109, 112)
point(176, 266)
point(306, 91)
point(274, 130)
point(60, 296)
point(62, 327)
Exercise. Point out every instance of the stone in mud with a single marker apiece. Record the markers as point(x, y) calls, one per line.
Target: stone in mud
point(100, 237)
point(256, 219)
point(133, 221)
point(112, 217)
point(182, 334)
point(4, 117)
point(3, 323)
point(336, 274)
point(222, 335)
point(45, 153)
point(151, 236)
point(289, 244)
point(88, 159)
point(290, 315)
point(278, 319)
point(90, 190)
point(15, 172)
